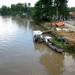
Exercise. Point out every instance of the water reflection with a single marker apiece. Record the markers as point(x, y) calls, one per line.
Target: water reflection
point(22, 22)
point(7, 30)
point(69, 64)
point(40, 47)
point(52, 63)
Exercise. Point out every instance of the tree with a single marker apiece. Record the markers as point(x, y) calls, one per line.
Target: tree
point(8, 10)
point(62, 6)
point(72, 9)
point(45, 9)
point(4, 10)
point(25, 7)
point(42, 11)
point(29, 8)
point(16, 9)
point(13, 9)
point(36, 14)
point(29, 4)
point(19, 7)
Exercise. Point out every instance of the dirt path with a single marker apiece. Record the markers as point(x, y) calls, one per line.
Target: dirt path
point(70, 25)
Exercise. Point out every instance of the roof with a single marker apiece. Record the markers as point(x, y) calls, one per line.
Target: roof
point(37, 32)
point(72, 14)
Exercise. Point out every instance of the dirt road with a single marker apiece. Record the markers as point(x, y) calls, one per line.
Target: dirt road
point(70, 25)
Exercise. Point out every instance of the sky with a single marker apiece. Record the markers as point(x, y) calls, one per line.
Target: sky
point(71, 3)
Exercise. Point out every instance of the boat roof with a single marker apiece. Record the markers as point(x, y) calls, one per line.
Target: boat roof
point(37, 32)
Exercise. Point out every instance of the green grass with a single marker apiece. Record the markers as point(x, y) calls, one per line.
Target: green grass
point(58, 43)
point(61, 45)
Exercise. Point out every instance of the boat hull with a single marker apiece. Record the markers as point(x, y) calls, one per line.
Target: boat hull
point(52, 45)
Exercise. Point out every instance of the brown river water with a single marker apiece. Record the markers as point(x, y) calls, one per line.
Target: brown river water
point(19, 55)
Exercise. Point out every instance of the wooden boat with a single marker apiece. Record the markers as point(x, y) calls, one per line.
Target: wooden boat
point(37, 36)
point(59, 23)
point(48, 42)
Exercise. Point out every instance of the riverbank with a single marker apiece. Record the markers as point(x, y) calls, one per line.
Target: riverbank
point(65, 32)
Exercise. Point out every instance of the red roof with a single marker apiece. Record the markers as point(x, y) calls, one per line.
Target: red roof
point(72, 14)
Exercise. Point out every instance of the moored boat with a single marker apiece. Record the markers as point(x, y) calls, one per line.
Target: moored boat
point(48, 42)
point(37, 36)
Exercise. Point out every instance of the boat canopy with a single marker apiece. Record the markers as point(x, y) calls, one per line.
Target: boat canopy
point(37, 32)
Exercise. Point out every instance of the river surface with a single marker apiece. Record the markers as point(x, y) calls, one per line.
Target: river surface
point(19, 55)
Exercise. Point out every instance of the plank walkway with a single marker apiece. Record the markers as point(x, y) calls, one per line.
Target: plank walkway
point(46, 31)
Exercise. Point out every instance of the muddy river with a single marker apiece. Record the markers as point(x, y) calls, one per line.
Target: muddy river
point(19, 55)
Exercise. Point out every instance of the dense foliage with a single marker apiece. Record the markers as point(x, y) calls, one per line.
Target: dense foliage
point(42, 10)
point(72, 9)
point(45, 9)
point(15, 9)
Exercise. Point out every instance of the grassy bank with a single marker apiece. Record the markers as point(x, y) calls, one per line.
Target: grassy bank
point(67, 34)
point(61, 45)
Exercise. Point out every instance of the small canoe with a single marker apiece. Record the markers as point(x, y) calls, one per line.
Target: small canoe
point(48, 42)
point(59, 23)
